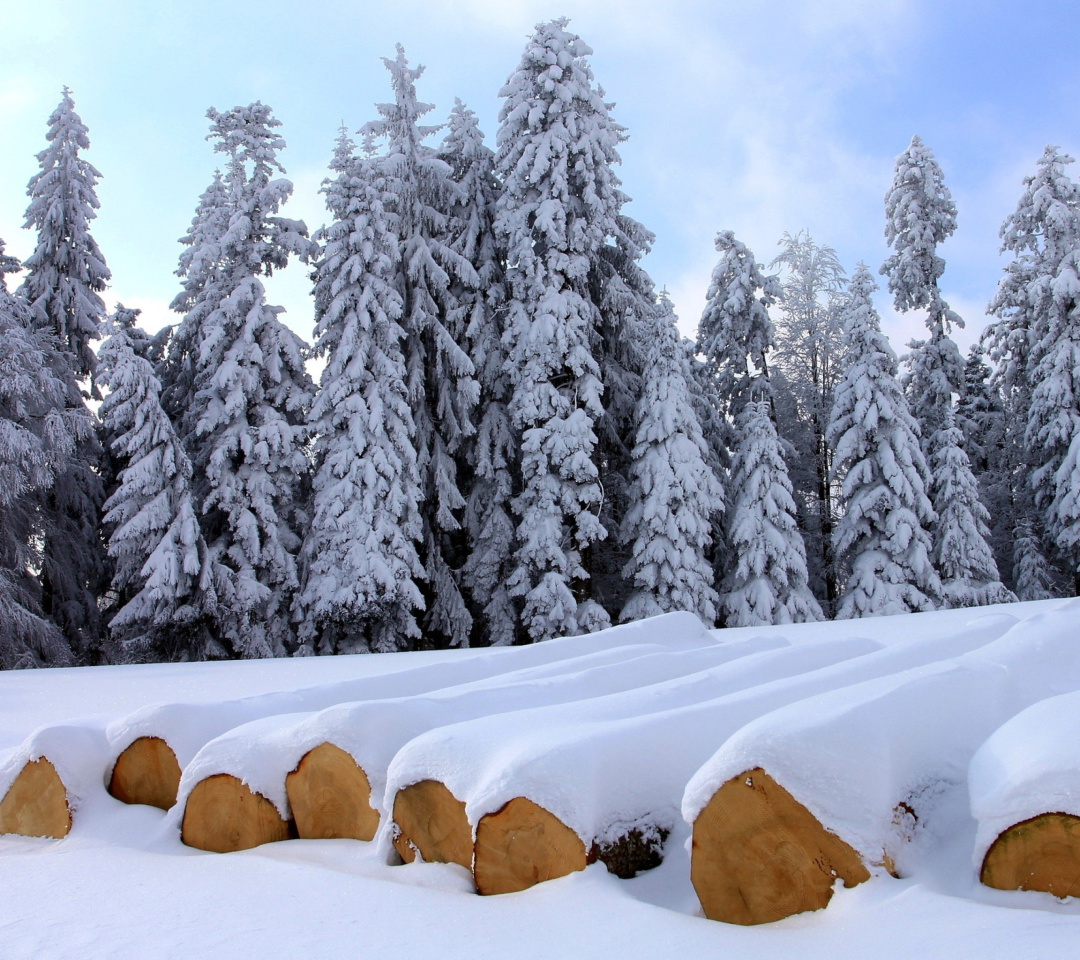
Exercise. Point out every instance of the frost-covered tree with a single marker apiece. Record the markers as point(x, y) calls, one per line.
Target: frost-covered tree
point(736, 332)
point(245, 429)
point(919, 215)
point(766, 580)
point(674, 493)
point(39, 435)
point(882, 537)
point(163, 574)
point(431, 275)
point(490, 455)
point(961, 554)
point(361, 566)
point(809, 354)
point(66, 273)
point(574, 288)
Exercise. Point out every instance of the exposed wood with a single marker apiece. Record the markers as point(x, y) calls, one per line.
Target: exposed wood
point(222, 815)
point(1042, 853)
point(432, 821)
point(330, 796)
point(759, 855)
point(522, 845)
point(146, 772)
point(36, 803)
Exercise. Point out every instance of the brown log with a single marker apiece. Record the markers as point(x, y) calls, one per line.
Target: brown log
point(146, 772)
point(1042, 853)
point(222, 815)
point(522, 845)
point(759, 855)
point(36, 803)
point(330, 796)
point(432, 821)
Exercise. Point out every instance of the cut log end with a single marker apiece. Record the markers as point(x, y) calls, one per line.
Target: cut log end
point(330, 796)
point(432, 821)
point(146, 772)
point(1042, 853)
point(222, 815)
point(36, 803)
point(522, 845)
point(759, 855)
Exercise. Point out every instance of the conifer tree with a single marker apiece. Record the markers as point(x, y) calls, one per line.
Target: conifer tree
point(39, 434)
point(66, 273)
point(919, 215)
point(961, 554)
point(443, 391)
point(490, 454)
point(881, 538)
point(163, 573)
point(674, 493)
point(572, 275)
point(767, 580)
point(361, 567)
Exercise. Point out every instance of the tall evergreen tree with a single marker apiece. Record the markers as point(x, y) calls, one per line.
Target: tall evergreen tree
point(490, 455)
point(767, 579)
point(163, 575)
point(431, 275)
point(574, 290)
point(674, 492)
point(881, 537)
point(39, 435)
point(362, 570)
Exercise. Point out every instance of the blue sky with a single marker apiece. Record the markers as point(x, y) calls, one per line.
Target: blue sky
point(752, 116)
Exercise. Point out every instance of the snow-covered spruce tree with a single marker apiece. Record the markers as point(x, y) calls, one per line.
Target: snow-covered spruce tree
point(489, 457)
point(674, 493)
point(66, 273)
point(919, 215)
point(360, 561)
point(431, 275)
point(246, 426)
point(809, 354)
point(961, 554)
point(1032, 575)
point(574, 290)
point(881, 539)
point(39, 434)
point(767, 580)
point(163, 576)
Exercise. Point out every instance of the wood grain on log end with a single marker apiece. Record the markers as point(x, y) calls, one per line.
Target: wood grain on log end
point(146, 772)
point(330, 796)
point(522, 845)
point(759, 855)
point(222, 815)
point(36, 803)
point(432, 821)
point(1042, 853)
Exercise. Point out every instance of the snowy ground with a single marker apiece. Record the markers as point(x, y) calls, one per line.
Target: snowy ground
point(122, 884)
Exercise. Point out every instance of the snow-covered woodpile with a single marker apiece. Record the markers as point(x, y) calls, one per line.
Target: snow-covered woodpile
point(802, 764)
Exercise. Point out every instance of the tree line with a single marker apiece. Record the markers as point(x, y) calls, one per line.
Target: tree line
point(509, 440)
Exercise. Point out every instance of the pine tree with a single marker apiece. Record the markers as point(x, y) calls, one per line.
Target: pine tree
point(674, 493)
point(39, 435)
point(1032, 575)
point(490, 454)
point(572, 280)
point(919, 215)
point(360, 558)
point(767, 581)
point(881, 538)
point(163, 574)
point(245, 430)
point(961, 555)
point(443, 392)
point(66, 272)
